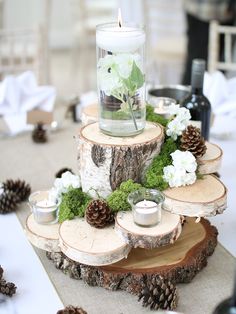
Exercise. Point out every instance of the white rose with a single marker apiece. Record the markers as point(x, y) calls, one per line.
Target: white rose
point(184, 160)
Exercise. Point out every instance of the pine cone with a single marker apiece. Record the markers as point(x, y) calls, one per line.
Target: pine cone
point(158, 293)
point(1, 272)
point(7, 288)
point(192, 141)
point(98, 214)
point(19, 187)
point(61, 171)
point(8, 202)
point(39, 134)
point(72, 310)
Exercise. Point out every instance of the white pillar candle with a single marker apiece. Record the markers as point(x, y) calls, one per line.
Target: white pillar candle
point(147, 213)
point(116, 38)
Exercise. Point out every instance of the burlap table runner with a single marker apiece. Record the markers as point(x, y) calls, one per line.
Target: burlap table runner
point(37, 164)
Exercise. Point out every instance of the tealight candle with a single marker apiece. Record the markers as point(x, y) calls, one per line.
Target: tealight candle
point(44, 210)
point(162, 105)
point(146, 206)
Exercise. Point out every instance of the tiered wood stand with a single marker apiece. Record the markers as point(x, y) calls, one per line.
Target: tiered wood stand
point(117, 257)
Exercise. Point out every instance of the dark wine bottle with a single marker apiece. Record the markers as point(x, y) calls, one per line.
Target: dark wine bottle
point(196, 102)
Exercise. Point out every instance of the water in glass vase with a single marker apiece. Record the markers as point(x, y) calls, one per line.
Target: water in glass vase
point(121, 79)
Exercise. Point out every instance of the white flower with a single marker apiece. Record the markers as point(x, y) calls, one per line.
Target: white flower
point(184, 160)
point(174, 176)
point(62, 185)
point(173, 109)
point(124, 63)
point(183, 115)
point(175, 128)
point(108, 76)
point(190, 178)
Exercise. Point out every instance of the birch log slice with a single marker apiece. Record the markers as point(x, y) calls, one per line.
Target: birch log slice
point(106, 161)
point(179, 262)
point(85, 244)
point(45, 237)
point(211, 161)
point(166, 232)
point(89, 114)
point(206, 197)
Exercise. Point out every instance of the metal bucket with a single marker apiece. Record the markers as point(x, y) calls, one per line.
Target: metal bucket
point(177, 92)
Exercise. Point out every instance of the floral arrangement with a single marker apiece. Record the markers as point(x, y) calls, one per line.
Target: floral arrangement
point(120, 76)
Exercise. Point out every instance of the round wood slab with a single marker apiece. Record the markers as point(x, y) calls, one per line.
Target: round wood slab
point(88, 245)
point(166, 232)
point(44, 237)
point(206, 197)
point(179, 262)
point(90, 114)
point(105, 161)
point(210, 162)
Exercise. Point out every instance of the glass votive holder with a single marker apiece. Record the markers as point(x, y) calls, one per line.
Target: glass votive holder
point(161, 105)
point(146, 206)
point(43, 209)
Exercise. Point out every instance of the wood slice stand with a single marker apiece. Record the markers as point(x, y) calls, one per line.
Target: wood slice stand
point(88, 245)
point(166, 232)
point(44, 237)
point(89, 114)
point(206, 197)
point(105, 161)
point(211, 161)
point(178, 262)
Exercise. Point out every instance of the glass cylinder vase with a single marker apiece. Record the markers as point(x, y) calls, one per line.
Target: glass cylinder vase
point(121, 79)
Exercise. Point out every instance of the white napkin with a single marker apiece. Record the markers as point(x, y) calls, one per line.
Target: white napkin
point(19, 94)
point(221, 93)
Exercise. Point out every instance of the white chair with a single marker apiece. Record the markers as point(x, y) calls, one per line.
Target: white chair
point(165, 24)
point(214, 47)
point(22, 50)
point(86, 14)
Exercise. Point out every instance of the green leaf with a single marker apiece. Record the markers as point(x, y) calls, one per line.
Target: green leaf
point(135, 80)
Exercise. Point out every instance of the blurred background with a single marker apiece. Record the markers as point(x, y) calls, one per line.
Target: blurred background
point(56, 39)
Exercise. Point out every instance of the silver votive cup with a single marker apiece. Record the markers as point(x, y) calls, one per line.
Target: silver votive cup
point(146, 206)
point(44, 210)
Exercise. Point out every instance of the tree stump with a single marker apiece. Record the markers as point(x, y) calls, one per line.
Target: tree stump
point(89, 114)
point(178, 262)
point(105, 161)
point(44, 237)
point(210, 162)
point(166, 232)
point(88, 245)
point(206, 197)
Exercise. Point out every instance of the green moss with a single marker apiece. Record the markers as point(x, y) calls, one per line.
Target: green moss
point(117, 200)
point(73, 203)
point(154, 175)
point(153, 117)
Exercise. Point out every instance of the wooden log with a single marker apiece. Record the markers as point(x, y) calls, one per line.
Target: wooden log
point(44, 237)
point(206, 197)
point(105, 161)
point(89, 114)
point(166, 232)
point(179, 262)
point(88, 245)
point(210, 162)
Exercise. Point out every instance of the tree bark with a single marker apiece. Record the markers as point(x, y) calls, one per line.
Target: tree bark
point(211, 161)
point(105, 161)
point(179, 262)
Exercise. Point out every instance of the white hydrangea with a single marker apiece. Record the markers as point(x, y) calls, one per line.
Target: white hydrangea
point(182, 170)
point(176, 126)
point(184, 160)
point(62, 185)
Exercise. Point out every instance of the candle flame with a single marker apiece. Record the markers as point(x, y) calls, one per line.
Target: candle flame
point(119, 18)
